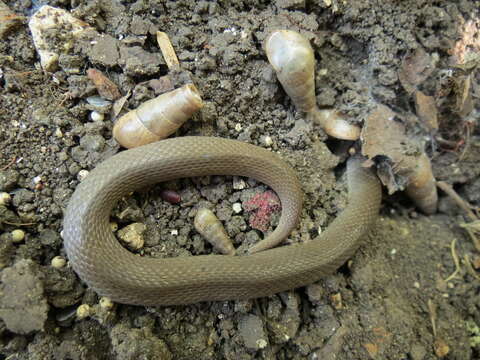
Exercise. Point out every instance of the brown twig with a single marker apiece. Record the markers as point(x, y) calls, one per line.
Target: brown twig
point(18, 224)
point(9, 164)
point(448, 189)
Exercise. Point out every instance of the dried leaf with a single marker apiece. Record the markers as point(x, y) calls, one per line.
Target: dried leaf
point(384, 140)
point(416, 68)
point(105, 87)
point(426, 110)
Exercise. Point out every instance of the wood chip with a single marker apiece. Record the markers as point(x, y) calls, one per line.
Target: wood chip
point(118, 105)
point(105, 87)
point(426, 110)
point(167, 50)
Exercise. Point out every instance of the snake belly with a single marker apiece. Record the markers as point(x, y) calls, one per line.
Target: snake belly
point(112, 271)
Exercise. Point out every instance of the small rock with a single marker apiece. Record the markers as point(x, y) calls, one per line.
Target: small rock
point(58, 262)
point(18, 235)
point(8, 179)
point(22, 196)
point(237, 208)
point(82, 174)
point(84, 311)
point(252, 332)
point(92, 143)
point(106, 303)
point(23, 306)
point(138, 62)
point(5, 198)
point(96, 116)
point(132, 235)
point(239, 183)
point(104, 51)
point(128, 343)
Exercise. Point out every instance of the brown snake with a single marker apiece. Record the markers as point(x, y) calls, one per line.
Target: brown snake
point(112, 271)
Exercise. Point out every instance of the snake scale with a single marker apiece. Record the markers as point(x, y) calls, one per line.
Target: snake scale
point(113, 271)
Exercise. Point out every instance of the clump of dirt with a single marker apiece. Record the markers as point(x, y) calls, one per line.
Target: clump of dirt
point(395, 299)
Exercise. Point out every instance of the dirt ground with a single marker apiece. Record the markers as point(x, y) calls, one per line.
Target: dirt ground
point(392, 300)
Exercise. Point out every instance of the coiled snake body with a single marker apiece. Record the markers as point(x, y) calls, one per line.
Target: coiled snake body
point(112, 271)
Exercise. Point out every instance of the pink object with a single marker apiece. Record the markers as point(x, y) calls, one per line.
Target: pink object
point(171, 196)
point(262, 205)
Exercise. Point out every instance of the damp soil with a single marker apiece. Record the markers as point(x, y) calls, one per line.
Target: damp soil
point(390, 301)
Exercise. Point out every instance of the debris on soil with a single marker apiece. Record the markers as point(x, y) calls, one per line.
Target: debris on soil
point(8, 20)
point(426, 110)
point(132, 235)
point(401, 162)
point(416, 68)
point(23, 306)
point(105, 87)
point(262, 205)
point(252, 332)
point(141, 343)
point(66, 28)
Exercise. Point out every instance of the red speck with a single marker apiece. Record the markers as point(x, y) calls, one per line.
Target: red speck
point(171, 196)
point(262, 205)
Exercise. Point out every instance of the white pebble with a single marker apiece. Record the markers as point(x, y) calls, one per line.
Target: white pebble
point(58, 133)
point(83, 311)
point(267, 140)
point(239, 183)
point(5, 198)
point(132, 235)
point(96, 116)
point(37, 179)
point(82, 174)
point(237, 208)
point(238, 127)
point(174, 232)
point(18, 235)
point(261, 343)
point(58, 262)
point(106, 303)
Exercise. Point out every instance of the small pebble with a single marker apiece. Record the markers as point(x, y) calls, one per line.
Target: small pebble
point(18, 235)
point(58, 133)
point(58, 262)
point(106, 303)
point(82, 174)
point(267, 140)
point(96, 116)
point(83, 311)
point(113, 226)
point(132, 235)
point(238, 127)
point(239, 183)
point(37, 180)
point(174, 232)
point(237, 208)
point(5, 198)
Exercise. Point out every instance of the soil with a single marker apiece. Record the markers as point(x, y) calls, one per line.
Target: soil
point(390, 301)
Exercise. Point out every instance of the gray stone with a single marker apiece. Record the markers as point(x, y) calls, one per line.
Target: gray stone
point(23, 306)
